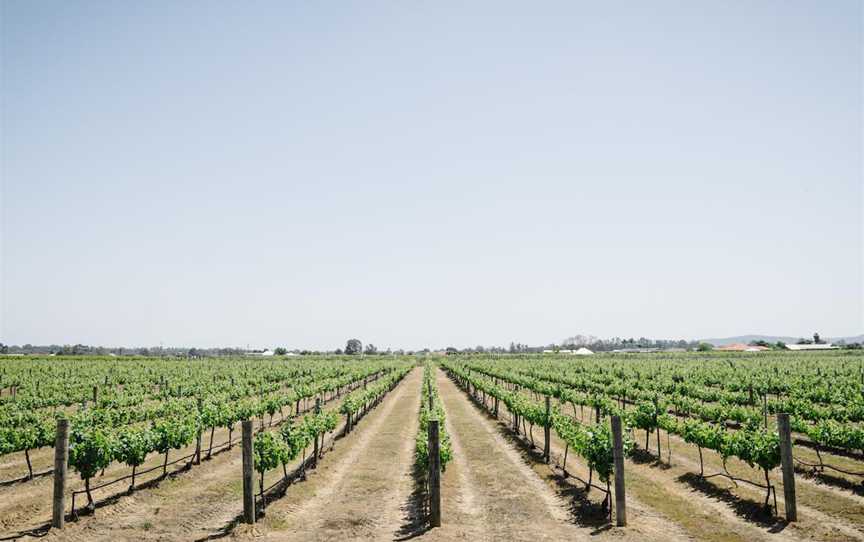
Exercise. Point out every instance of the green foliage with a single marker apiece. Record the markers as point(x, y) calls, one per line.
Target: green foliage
point(755, 447)
point(353, 347)
point(421, 449)
point(833, 433)
point(173, 433)
point(90, 450)
point(269, 452)
point(591, 442)
point(360, 398)
point(133, 444)
point(294, 438)
point(140, 411)
point(724, 398)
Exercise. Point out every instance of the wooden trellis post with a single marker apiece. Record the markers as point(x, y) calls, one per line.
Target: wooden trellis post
point(434, 475)
point(546, 430)
point(618, 458)
point(61, 459)
point(786, 464)
point(248, 475)
point(316, 450)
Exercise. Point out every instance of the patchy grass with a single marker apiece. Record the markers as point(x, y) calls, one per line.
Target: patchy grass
point(277, 522)
point(236, 488)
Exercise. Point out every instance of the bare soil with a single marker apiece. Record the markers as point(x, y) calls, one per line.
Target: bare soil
point(719, 509)
point(188, 502)
point(361, 490)
point(497, 487)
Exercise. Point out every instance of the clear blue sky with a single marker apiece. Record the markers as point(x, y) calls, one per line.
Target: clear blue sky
point(441, 173)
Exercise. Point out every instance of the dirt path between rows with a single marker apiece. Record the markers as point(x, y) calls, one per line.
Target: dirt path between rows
point(700, 516)
point(488, 491)
point(360, 491)
point(658, 508)
point(813, 523)
point(26, 506)
point(703, 516)
point(195, 505)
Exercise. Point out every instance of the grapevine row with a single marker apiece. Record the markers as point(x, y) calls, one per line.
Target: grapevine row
point(431, 409)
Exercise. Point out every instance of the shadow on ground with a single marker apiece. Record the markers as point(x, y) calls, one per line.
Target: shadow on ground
point(571, 489)
point(415, 521)
point(748, 509)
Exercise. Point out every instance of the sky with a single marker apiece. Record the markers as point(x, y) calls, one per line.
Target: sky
point(428, 174)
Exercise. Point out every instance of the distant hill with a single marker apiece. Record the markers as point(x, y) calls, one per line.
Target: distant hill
point(774, 338)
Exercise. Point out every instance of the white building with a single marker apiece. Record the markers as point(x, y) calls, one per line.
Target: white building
point(260, 353)
point(811, 347)
point(580, 352)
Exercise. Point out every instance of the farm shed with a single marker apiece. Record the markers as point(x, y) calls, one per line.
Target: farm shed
point(580, 352)
point(811, 347)
point(740, 347)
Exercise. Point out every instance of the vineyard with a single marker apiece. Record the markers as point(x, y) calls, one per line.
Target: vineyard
point(699, 446)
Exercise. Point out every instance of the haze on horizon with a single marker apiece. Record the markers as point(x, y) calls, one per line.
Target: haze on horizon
point(297, 174)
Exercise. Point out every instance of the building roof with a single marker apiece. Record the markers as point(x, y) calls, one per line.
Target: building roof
point(741, 347)
point(811, 347)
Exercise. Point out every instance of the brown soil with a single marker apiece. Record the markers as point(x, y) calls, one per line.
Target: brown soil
point(177, 507)
point(361, 490)
point(496, 488)
point(27, 505)
point(488, 491)
point(825, 513)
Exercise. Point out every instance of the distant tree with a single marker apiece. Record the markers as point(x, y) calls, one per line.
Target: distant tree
point(192, 353)
point(705, 347)
point(804, 341)
point(817, 339)
point(780, 345)
point(280, 351)
point(371, 349)
point(142, 351)
point(353, 347)
point(579, 340)
point(4, 349)
point(854, 346)
point(338, 352)
point(451, 350)
point(79, 349)
point(760, 343)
